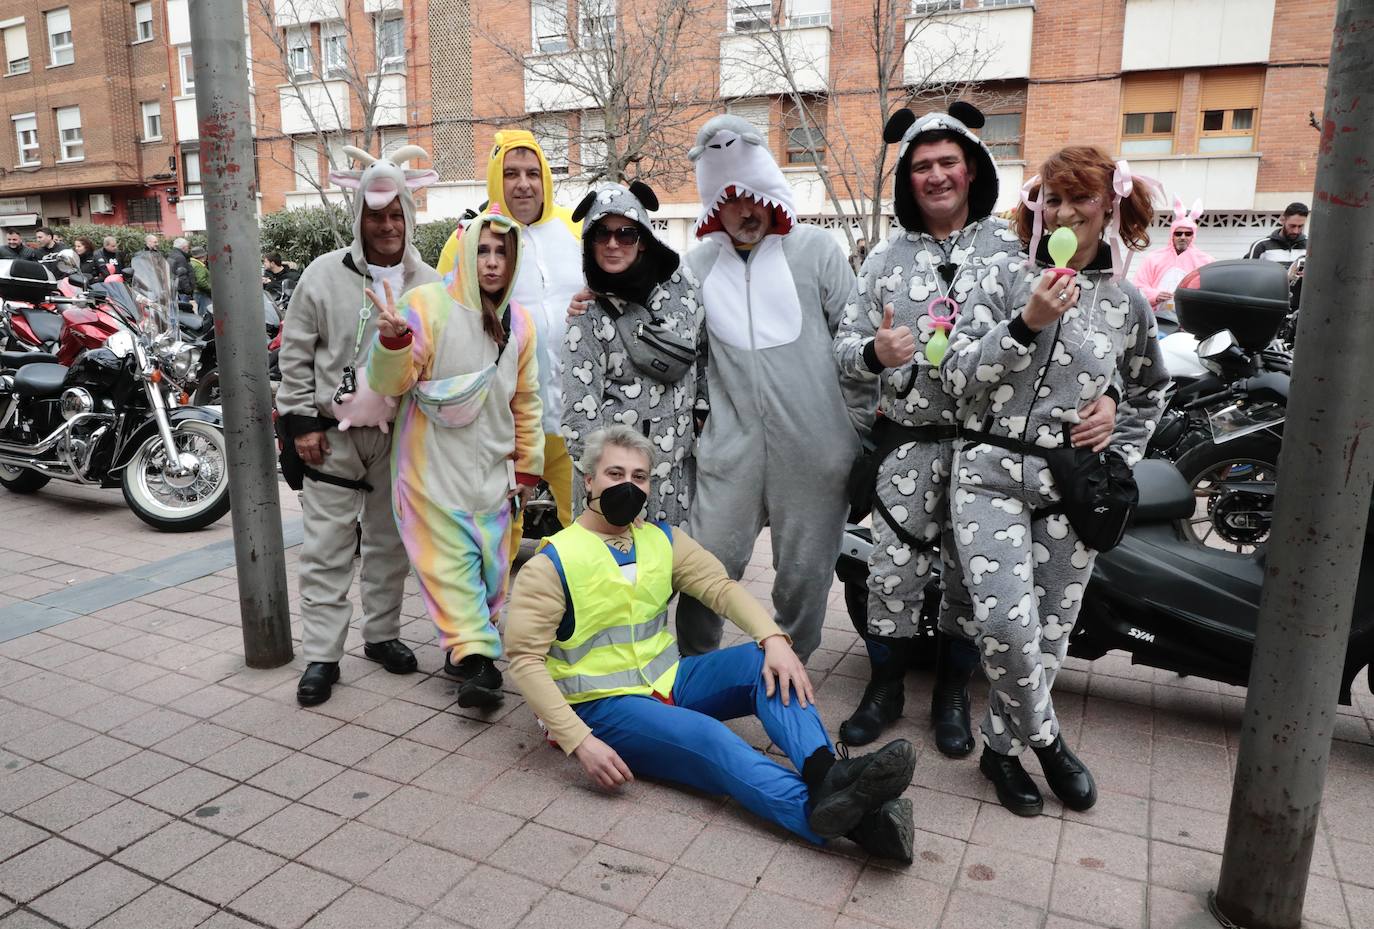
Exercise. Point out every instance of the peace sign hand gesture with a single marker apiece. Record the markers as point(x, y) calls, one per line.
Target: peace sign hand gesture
point(390, 324)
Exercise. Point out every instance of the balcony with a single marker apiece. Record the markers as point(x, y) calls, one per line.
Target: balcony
point(1224, 182)
point(391, 101)
point(327, 101)
point(969, 45)
point(755, 64)
point(558, 81)
point(1188, 34)
point(302, 12)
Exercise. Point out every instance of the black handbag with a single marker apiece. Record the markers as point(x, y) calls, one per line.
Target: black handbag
point(653, 348)
point(1097, 493)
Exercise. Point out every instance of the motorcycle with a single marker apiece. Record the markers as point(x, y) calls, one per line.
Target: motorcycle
point(204, 382)
point(113, 417)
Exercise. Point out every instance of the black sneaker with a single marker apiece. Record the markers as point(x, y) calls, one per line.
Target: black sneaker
point(854, 786)
point(887, 832)
point(479, 681)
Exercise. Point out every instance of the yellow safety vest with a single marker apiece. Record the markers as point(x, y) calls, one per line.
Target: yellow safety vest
point(621, 644)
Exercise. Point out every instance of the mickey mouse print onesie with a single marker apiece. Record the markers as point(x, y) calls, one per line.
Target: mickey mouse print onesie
point(602, 386)
point(1026, 575)
point(909, 271)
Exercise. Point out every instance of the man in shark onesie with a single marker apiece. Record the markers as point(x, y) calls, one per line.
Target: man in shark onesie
point(323, 356)
point(778, 446)
point(895, 325)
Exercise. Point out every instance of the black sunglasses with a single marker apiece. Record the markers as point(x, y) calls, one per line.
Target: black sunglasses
point(625, 235)
point(1184, 232)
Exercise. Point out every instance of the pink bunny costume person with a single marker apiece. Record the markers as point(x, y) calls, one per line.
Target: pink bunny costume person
point(1160, 273)
point(323, 355)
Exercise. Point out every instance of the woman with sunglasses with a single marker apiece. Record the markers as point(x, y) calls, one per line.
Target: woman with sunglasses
point(637, 356)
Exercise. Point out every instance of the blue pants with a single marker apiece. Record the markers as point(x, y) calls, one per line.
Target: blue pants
point(687, 743)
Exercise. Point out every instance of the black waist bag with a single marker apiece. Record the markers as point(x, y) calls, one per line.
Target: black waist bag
point(888, 436)
point(1098, 493)
point(292, 467)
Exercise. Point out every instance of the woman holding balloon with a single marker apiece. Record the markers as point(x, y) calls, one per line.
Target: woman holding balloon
point(1043, 341)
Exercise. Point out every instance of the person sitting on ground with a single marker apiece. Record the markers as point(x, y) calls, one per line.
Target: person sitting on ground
point(592, 652)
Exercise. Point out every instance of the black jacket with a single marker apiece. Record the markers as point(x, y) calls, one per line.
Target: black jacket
point(180, 265)
point(23, 251)
point(120, 259)
point(1276, 247)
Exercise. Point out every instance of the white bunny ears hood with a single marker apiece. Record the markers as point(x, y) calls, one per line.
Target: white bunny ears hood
point(378, 182)
point(732, 160)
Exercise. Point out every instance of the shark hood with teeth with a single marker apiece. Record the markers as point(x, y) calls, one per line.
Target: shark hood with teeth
point(732, 159)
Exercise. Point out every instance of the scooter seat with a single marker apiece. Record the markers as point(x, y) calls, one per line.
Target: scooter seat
point(46, 326)
point(39, 381)
point(1164, 493)
point(13, 360)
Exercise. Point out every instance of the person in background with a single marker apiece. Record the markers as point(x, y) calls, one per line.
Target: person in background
point(860, 252)
point(86, 258)
point(179, 263)
point(14, 247)
point(109, 252)
point(1287, 243)
point(1160, 272)
point(200, 273)
point(45, 243)
point(150, 243)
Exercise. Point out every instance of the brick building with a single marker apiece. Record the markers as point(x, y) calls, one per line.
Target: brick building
point(88, 102)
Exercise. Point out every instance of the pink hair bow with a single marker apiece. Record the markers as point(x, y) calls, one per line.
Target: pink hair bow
point(1123, 183)
point(1037, 208)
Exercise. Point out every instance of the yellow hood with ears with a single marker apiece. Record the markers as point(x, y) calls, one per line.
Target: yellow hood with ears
point(506, 141)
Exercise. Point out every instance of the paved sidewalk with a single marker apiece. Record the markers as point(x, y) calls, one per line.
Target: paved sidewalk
point(149, 781)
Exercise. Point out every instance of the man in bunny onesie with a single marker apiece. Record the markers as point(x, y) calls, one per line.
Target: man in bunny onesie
point(323, 357)
point(779, 443)
point(1160, 273)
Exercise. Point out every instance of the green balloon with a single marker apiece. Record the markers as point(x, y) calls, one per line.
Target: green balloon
point(1063, 245)
point(937, 346)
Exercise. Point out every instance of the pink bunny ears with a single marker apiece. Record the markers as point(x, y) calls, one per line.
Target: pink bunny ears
point(1123, 184)
point(1189, 219)
point(382, 179)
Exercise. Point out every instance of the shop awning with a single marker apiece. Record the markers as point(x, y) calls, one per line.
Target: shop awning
point(19, 219)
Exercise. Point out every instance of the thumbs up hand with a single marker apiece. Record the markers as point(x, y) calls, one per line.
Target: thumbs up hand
point(894, 347)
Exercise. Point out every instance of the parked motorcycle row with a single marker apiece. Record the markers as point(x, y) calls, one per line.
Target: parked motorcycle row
point(1181, 592)
point(112, 384)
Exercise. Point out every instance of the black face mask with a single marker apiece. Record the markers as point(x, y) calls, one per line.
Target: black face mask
point(621, 503)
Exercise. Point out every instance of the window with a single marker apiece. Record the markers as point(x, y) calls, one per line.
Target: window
point(333, 49)
point(299, 57)
point(391, 44)
point(935, 6)
point(305, 158)
point(1149, 106)
point(549, 20)
point(596, 22)
point(1229, 100)
point(1002, 135)
point(26, 137)
point(551, 132)
point(69, 133)
point(144, 211)
point(804, 129)
point(391, 140)
point(808, 12)
point(60, 49)
point(188, 71)
point(190, 173)
point(143, 21)
point(592, 140)
point(338, 158)
point(152, 121)
point(16, 47)
point(755, 111)
point(750, 15)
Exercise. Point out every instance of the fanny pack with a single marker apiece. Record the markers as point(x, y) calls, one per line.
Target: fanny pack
point(454, 402)
point(888, 436)
point(653, 348)
point(294, 470)
point(1097, 490)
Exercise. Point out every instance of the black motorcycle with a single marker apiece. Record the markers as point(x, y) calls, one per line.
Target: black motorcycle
point(203, 382)
point(113, 417)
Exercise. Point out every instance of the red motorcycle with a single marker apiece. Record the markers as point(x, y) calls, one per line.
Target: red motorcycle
point(55, 317)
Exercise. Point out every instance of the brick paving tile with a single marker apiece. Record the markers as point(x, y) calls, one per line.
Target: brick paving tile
point(1171, 909)
point(91, 756)
point(296, 775)
point(160, 908)
point(353, 852)
point(351, 793)
point(169, 850)
point(687, 900)
point(996, 827)
point(292, 830)
point(660, 834)
point(540, 853)
point(17, 836)
point(561, 910)
point(614, 877)
point(1097, 896)
point(198, 742)
point(363, 908)
point(290, 897)
point(430, 921)
point(762, 908)
point(226, 872)
point(472, 831)
point(894, 899)
point(967, 910)
point(64, 808)
point(1007, 874)
point(737, 855)
point(244, 759)
point(138, 773)
point(419, 874)
point(409, 811)
point(1183, 826)
point(91, 895)
point(1117, 812)
point(583, 811)
point(459, 776)
point(118, 827)
point(808, 874)
point(1102, 850)
point(51, 739)
point(185, 791)
point(348, 745)
point(152, 727)
point(490, 899)
point(402, 760)
point(21, 919)
point(42, 867)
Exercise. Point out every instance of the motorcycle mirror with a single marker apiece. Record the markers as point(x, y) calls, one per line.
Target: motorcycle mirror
point(1216, 344)
point(79, 280)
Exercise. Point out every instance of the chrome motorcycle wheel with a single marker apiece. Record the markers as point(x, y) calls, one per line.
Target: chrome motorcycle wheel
point(1227, 516)
point(175, 501)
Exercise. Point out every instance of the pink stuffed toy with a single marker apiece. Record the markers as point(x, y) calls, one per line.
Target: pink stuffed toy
point(365, 408)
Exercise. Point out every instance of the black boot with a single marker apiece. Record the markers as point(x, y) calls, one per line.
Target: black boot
point(1015, 790)
point(394, 655)
point(317, 683)
point(887, 832)
point(885, 694)
point(479, 681)
point(1068, 777)
point(955, 661)
point(851, 787)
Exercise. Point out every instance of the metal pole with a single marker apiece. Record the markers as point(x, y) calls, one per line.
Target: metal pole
point(219, 47)
point(1326, 471)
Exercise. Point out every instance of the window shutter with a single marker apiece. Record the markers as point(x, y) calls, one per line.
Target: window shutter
point(68, 117)
point(59, 21)
point(1150, 93)
point(1231, 89)
point(16, 43)
point(808, 12)
point(754, 112)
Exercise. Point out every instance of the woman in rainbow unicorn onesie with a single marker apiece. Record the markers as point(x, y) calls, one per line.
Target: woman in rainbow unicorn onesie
point(468, 440)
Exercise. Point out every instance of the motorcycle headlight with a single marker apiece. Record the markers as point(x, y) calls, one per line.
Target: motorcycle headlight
point(179, 359)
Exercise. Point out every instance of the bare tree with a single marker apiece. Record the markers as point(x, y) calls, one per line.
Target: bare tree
point(356, 59)
point(629, 69)
point(922, 58)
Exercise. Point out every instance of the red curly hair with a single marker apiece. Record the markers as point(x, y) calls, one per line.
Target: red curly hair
point(1086, 170)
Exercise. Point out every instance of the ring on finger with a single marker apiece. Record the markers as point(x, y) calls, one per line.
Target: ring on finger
point(1063, 295)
